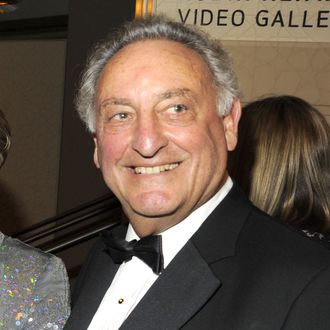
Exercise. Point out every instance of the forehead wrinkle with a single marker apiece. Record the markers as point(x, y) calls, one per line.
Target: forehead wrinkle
point(173, 93)
point(114, 101)
point(159, 97)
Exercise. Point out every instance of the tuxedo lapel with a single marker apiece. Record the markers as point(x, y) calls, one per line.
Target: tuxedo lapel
point(179, 292)
point(217, 238)
point(94, 281)
point(188, 282)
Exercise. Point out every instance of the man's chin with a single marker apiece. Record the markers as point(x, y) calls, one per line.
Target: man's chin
point(150, 212)
point(153, 213)
point(152, 222)
point(153, 204)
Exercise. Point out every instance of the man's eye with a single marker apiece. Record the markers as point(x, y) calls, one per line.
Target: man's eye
point(119, 116)
point(178, 108)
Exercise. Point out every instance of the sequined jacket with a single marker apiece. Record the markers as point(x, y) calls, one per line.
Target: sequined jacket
point(34, 289)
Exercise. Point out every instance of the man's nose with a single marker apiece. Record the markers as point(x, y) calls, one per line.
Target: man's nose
point(149, 137)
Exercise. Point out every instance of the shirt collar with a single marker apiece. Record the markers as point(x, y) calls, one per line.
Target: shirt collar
point(177, 236)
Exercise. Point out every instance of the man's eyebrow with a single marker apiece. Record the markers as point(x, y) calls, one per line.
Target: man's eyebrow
point(115, 101)
point(173, 93)
point(159, 97)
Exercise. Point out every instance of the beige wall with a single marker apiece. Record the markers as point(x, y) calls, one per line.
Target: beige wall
point(31, 94)
point(300, 69)
point(288, 54)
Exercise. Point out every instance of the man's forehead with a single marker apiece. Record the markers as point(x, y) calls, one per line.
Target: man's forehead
point(139, 63)
point(155, 49)
point(144, 73)
point(158, 97)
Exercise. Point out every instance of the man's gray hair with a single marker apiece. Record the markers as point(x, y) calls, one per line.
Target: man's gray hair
point(156, 28)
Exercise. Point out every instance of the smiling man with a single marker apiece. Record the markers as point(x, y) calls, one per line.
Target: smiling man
point(160, 142)
point(162, 102)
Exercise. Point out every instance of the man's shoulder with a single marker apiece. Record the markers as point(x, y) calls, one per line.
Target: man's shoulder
point(237, 228)
point(264, 235)
point(268, 238)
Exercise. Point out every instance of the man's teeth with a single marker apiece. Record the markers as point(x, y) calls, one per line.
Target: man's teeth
point(155, 169)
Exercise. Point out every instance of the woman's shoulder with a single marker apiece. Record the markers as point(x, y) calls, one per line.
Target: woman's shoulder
point(19, 255)
point(13, 246)
point(34, 282)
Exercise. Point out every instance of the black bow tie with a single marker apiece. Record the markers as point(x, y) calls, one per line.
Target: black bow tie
point(148, 249)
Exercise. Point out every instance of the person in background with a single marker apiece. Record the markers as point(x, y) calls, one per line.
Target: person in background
point(282, 162)
point(34, 289)
point(162, 103)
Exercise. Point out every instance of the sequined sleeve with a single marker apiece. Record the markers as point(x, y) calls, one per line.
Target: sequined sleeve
point(34, 288)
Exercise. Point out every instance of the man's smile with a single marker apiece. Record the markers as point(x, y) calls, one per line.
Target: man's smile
point(155, 169)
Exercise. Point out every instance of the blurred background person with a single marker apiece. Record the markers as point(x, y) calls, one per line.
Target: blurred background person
point(282, 162)
point(34, 289)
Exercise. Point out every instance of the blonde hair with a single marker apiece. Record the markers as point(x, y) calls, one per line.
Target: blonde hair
point(4, 138)
point(282, 161)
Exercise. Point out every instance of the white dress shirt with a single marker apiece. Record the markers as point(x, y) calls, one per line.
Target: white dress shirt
point(134, 278)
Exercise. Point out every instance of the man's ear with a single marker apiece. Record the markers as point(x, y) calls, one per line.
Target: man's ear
point(96, 156)
point(230, 123)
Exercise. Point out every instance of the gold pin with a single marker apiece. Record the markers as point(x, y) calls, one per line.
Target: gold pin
point(120, 301)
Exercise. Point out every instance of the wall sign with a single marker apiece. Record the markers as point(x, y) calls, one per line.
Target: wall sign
point(264, 20)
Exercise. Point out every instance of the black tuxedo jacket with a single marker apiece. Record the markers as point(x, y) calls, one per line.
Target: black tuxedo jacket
point(241, 270)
